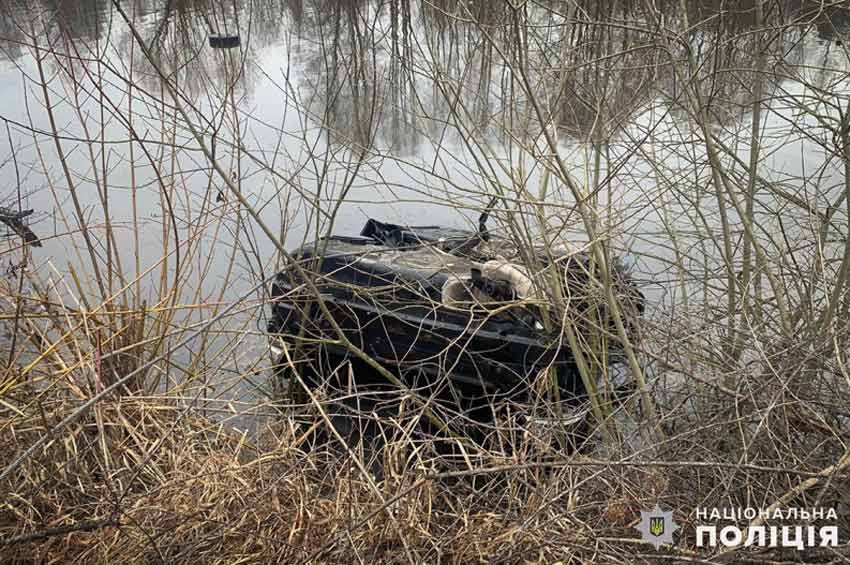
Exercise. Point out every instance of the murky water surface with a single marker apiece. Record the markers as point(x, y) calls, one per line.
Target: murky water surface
point(329, 113)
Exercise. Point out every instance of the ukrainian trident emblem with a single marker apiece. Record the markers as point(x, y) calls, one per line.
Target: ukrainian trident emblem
point(657, 527)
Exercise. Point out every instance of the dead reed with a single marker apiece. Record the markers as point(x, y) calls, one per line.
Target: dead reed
point(136, 422)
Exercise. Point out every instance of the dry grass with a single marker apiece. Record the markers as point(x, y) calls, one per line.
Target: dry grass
point(138, 481)
point(117, 441)
point(144, 478)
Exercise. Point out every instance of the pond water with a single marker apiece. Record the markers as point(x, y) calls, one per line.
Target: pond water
point(331, 112)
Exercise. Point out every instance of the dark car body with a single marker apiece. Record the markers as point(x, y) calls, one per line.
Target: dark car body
point(385, 291)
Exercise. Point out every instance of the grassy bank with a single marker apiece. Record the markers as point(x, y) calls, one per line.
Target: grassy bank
point(147, 476)
point(139, 417)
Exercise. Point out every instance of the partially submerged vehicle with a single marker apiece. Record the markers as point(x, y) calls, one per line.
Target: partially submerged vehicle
point(466, 329)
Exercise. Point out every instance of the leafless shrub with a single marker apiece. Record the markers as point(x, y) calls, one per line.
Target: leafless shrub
point(708, 141)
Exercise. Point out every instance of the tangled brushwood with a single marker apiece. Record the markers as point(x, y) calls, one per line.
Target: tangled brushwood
point(662, 195)
point(146, 477)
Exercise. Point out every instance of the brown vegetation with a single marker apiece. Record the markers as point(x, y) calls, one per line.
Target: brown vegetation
point(134, 357)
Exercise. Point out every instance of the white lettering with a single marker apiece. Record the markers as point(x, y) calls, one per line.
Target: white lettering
point(798, 537)
point(731, 536)
point(774, 535)
point(712, 535)
point(753, 533)
point(829, 536)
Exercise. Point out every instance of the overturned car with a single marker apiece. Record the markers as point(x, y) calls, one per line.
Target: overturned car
point(465, 326)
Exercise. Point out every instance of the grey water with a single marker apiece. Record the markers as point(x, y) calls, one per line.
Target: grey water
point(331, 112)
